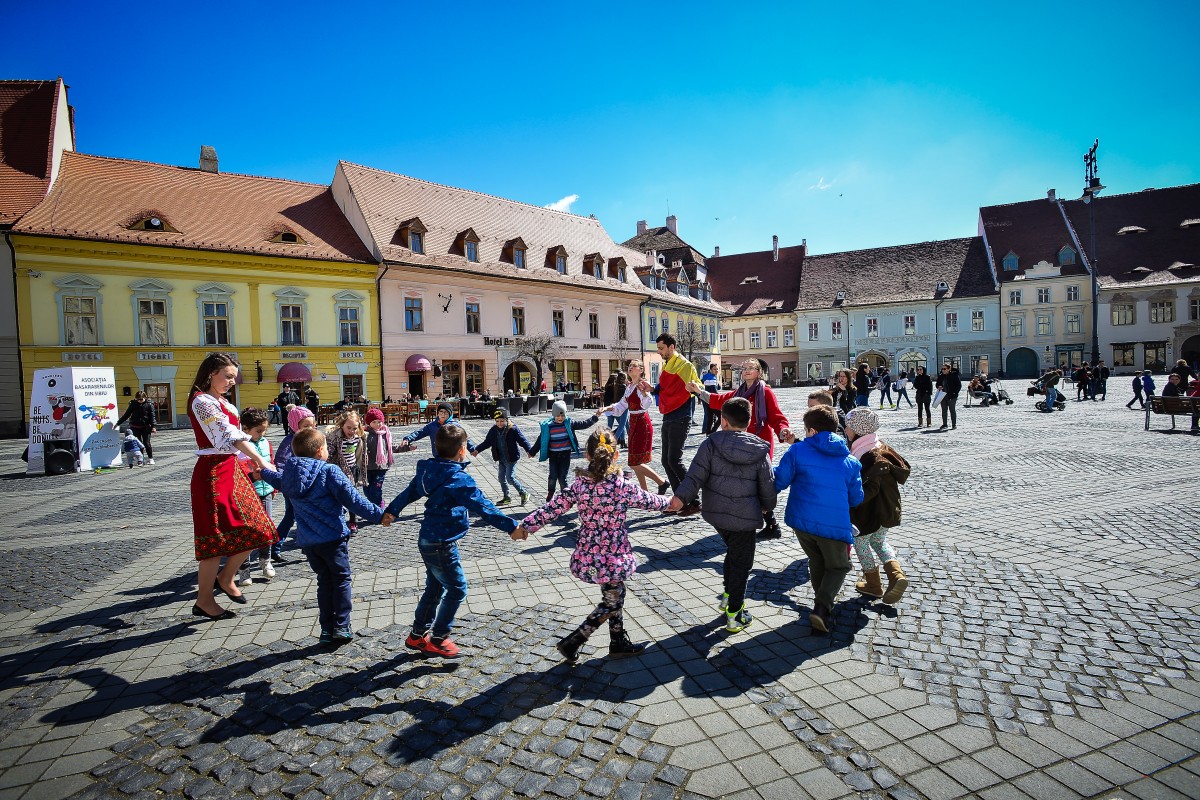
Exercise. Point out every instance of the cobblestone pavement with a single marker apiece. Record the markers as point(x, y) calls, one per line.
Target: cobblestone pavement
point(1048, 646)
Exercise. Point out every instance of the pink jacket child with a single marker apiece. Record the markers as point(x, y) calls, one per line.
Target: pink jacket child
point(603, 554)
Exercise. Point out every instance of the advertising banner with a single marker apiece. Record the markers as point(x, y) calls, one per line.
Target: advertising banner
point(96, 416)
point(51, 413)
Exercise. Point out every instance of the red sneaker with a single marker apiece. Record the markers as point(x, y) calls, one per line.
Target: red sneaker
point(415, 642)
point(444, 648)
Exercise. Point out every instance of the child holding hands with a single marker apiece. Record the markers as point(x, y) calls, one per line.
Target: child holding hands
point(602, 554)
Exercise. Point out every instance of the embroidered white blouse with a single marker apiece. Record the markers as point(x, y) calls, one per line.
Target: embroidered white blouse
point(212, 414)
point(622, 405)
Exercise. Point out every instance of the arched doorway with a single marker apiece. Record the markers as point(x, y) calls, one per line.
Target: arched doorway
point(517, 376)
point(911, 360)
point(1190, 351)
point(873, 359)
point(1021, 363)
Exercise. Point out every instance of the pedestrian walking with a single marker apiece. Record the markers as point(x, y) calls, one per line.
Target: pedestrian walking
point(923, 388)
point(951, 383)
point(142, 418)
point(1137, 393)
point(902, 390)
point(885, 389)
point(862, 385)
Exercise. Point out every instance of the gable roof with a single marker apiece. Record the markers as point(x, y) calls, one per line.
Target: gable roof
point(900, 273)
point(28, 115)
point(386, 199)
point(1033, 230)
point(754, 283)
point(667, 244)
point(98, 198)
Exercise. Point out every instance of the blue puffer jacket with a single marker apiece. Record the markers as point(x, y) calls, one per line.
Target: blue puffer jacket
point(318, 491)
point(453, 496)
point(825, 483)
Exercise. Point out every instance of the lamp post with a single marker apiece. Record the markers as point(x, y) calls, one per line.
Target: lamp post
point(1091, 187)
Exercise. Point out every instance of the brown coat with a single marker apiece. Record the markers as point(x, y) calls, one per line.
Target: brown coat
point(883, 470)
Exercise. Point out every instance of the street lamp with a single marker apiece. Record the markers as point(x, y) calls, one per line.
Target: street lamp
point(1091, 187)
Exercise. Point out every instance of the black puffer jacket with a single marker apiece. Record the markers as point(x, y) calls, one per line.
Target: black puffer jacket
point(950, 383)
point(734, 470)
point(883, 470)
point(141, 415)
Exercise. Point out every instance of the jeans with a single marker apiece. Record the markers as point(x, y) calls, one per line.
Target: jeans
point(331, 562)
point(505, 474)
point(828, 566)
point(739, 558)
point(711, 420)
point(948, 409)
point(375, 478)
point(862, 399)
point(1051, 397)
point(285, 527)
point(622, 423)
point(445, 589)
point(560, 468)
point(903, 393)
point(674, 434)
point(885, 395)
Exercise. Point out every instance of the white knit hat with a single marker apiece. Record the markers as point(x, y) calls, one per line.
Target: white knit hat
point(559, 407)
point(862, 421)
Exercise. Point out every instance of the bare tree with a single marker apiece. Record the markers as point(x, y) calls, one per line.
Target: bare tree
point(541, 349)
point(692, 343)
point(622, 350)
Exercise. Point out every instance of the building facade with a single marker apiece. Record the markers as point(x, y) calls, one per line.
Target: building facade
point(147, 268)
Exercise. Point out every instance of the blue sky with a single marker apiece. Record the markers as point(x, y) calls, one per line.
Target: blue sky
point(885, 124)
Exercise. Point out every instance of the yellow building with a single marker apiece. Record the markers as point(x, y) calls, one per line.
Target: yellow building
point(147, 268)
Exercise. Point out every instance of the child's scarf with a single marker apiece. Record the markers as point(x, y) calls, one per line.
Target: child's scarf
point(864, 444)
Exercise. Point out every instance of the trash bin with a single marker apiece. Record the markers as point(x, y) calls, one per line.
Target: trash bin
point(543, 403)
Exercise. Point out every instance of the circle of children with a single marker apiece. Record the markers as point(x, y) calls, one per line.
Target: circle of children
point(843, 484)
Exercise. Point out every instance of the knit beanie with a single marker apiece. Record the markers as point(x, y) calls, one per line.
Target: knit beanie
point(501, 413)
point(559, 407)
point(862, 421)
point(449, 409)
point(296, 415)
point(373, 414)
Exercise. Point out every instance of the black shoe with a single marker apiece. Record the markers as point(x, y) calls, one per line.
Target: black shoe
point(820, 620)
point(197, 611)
point(770, 531)
point(663, 487)
point(569, 647)
point(620, 647)
point(237, 598)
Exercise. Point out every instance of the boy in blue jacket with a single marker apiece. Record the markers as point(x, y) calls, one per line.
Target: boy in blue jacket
point(504, 439)
point(445, 413)
point(825, 483)
point(451, 494)
point(318, 492)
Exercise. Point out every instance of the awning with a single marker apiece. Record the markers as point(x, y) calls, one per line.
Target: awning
point(417, 363)
point(293, 372)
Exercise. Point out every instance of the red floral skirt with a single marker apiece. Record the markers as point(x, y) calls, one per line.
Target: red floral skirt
point(227, 515)
point(641, 439)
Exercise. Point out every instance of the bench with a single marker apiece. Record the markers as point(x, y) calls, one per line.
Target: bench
point(1186, 406)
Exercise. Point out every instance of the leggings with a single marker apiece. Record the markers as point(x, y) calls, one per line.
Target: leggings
point(611, 608)
point(923, 405)
point(869, 545)
point(144, 437)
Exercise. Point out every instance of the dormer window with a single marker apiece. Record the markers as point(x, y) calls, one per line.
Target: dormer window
point(1010, 262)
point(411, 234)
point(943, 286)
point(466, 244)
point(556, 259)
point(152, 222)
point(287, 237)
point(593, 264)
point(616, 268)
point(840, 297)
point(514, 252)
point(1128, 229)
point(1066, 256)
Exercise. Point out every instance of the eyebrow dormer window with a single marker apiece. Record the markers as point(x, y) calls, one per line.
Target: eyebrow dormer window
point(287, 237)
point(153, 222)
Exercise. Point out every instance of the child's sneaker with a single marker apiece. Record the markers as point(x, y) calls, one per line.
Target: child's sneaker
point(243, 577)
point(268, 569)
point(524, 498)
point(441, 647)
point(504, 502)
point(739, 621)
point(723, 601)
point(417, 641)
point(341, 636)
point(353, 528)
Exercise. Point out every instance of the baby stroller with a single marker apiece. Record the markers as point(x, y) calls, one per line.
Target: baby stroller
point(1001, 393)
point(1060, 401)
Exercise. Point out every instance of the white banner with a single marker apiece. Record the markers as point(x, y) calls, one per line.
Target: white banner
point(51, 413)
point(96, 416)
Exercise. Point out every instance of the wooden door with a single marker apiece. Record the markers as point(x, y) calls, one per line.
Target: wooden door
point(160, 395)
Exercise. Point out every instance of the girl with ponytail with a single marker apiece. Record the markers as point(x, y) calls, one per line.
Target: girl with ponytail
point(603, 554)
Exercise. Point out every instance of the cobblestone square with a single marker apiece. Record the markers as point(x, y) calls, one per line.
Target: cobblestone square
point(1049, 645)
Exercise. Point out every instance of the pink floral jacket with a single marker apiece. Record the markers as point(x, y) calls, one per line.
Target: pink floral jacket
point(602, 551)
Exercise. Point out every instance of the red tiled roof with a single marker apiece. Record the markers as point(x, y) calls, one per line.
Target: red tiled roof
point(98, 198)
point(1032, 230)
point(754, 283)
point(27, 113)
point(386, 199)
point(901, 273)
point(666, 243)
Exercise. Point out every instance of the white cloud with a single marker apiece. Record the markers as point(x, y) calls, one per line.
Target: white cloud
point(822, 185)
point(563, 204)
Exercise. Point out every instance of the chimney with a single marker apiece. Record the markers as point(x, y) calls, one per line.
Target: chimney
point(641, 227)
point(208, 158)
point(804, 246)
point(673, 225)
point(1050, 195)
point(774, 248)
point(717, 251)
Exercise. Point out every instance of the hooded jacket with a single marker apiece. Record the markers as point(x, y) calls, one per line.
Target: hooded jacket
point(318, 491)
point(733, 468)
point(505, 441)
point(883, 471)
point(452, 497)
point(430, 429)
point(825, 484)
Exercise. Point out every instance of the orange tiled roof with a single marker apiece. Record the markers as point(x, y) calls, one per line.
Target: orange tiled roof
point(387, 200)
point(99, 198)
point(27, 111)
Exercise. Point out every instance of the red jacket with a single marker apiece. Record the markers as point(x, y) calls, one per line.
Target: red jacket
point(776, 421)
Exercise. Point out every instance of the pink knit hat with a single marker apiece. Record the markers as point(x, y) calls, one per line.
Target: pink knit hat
point(373, 413)
point(296, 414)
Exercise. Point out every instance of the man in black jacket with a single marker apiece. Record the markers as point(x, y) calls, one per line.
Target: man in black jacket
point(951, 383)
point(311, 401)
point(287, 397)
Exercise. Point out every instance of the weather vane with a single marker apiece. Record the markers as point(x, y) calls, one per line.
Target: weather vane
point(1089, 163)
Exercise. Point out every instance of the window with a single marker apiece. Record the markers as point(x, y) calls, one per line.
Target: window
point(872, 326)
point(814, 331)
point(472, 317)
point(1162, 311)
point(1073, 322)
point(953, 361)
point(814, 370)
point(623, 274)
point(1194, 308)
point(352, 385)
point(79, 320)
point(723, 338)
point(474, 376)
point(1016, 326)
point(772, 338)
point(415, 242)
point(287, 237)
point(652, 327)
point(519, 257)
point(291, 324)
point(518, 321)
point(413, 314)
point(216, 323)
point(1073, 293)
point(557, 326)
point(666, 325)
point(835, 329)
point(1066, 257)
point(951, 322)
point(348, 326)
point(910, 324)
point(594, 325)
point(622, 328)
point(1155, 356)
point(1043, 325)
point(977, 320)
point(755, 340)
point(1010, 262)
point(1014, 297)
point(1123, 355)
point(472, 250)
point(560, 264)
point(1122, 314)
point(789, 337)
point(152, 322)
point(908, 362)
point(1043, 295)
point(979, 365)
point(712, 332)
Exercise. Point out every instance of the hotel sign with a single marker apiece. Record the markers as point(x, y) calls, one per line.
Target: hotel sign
point(499, 341)
point(296, 355)
point(350, 354)
point(70, 357)
point(154, 355)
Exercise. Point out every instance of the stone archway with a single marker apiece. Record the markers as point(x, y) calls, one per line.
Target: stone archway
point(1189, 351)
point(1021, 363)
point(874, 359)
point(517, 376)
